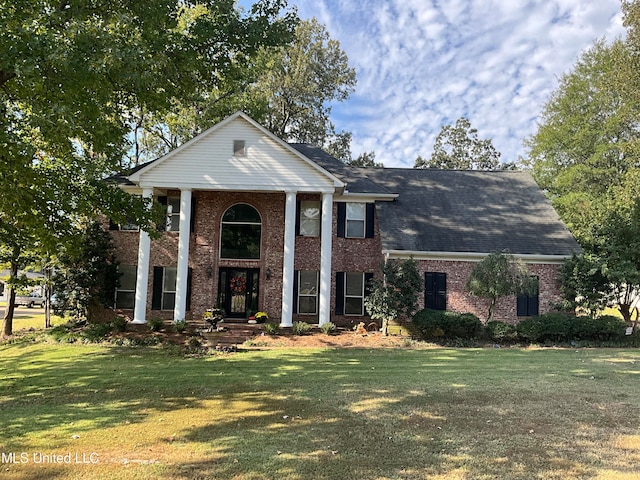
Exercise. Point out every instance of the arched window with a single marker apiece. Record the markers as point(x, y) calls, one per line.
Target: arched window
point(241, 229)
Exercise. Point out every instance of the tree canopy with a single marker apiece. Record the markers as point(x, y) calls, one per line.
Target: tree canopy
point(288, 89)
point(498, 275)
point(73, 75)
point(397, 295)
point(586, 156)
point(587, 137)
point(459, 147)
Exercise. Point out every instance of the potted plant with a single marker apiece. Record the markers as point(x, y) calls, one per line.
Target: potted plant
point(261, 317)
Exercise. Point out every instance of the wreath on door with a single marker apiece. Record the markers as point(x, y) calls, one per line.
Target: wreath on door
point(238, 285)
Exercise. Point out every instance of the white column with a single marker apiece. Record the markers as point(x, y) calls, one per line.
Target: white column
point(180, 308)
point(142, 275)
point(326, 235)
point(287, 267)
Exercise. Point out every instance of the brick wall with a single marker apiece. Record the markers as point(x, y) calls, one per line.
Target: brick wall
point(459, 300)
point(348, 254)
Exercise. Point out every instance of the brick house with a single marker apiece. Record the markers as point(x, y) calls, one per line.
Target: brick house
point(254, 223)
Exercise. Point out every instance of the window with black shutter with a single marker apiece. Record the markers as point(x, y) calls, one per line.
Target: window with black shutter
point(356, 220)
point(435, 290)
point(163, 292)
point(527, 304)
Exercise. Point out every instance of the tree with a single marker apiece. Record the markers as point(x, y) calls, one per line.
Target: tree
point(458, 147)
point(588, 135)
point(73, 75)
point(301, 80)
point(366, 159)
point(499, 275)
point(607, 274)
point(87, 273)
point(288, 89)
point(397, 295)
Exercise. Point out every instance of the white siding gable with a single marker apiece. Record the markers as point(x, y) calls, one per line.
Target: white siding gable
point(207, 162)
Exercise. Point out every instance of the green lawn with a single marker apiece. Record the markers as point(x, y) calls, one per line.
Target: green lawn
point(320, 414)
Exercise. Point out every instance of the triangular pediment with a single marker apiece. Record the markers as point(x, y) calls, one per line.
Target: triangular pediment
point(214, 161)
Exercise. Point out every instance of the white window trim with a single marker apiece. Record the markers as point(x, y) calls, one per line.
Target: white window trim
point(361, 296)
point(164, 272)
point(315, 220)
point(171, 213)
point(363, 220)
point(223, 223)
point(124, 290)
point(306, 295)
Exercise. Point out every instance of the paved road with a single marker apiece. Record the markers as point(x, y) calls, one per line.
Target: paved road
point(23, 312)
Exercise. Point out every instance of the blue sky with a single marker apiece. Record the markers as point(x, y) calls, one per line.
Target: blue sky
point(422, 64)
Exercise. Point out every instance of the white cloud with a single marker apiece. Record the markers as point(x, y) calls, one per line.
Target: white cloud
point(422, 64)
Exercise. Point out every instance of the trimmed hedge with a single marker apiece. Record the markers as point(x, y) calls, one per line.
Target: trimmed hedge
point(430, 324)
point(559, 327)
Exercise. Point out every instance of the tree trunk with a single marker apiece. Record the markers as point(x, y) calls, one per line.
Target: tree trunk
point(7, 324)
point(492, 306)
point(625, 311)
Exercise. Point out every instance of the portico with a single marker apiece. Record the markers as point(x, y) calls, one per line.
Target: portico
point(235, 157)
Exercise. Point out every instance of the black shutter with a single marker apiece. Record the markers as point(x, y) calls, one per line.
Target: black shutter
point(295, 291)
point(162, 226)
point(342, 219)
point(533, 305)
point(441, 291)
point(189, 278)
point(297, 218)
point(435, 290)
point(192, 225)
point(340, 293)
point(113, 225)
point(522, 306)
point(156, 297)
point(527, 305)
point(429, 290)
point(369, 220)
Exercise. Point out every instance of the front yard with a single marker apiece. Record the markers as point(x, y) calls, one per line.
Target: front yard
point(104, 412)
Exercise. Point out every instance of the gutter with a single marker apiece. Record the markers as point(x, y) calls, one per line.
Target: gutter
point(472, 256)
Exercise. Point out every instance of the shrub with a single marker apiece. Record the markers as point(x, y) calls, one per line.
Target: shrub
point(97, 332)
point(180, 326)
point(500, 330)
point(119, 324)
point(301, 328)
point(559, 327)
point(328, 328)
point(432, 324)
point(156, 324)
point(270, 328)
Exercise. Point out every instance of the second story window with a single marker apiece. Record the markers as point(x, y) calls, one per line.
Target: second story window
point(309, 218)
point(241, 233)
point(356, 219)
point(356, 216)
point(173, 214)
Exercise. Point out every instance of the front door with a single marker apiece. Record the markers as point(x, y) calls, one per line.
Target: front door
point(238, 292)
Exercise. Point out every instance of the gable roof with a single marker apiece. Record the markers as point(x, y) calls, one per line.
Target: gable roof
point(208, 161)
point(468, 212)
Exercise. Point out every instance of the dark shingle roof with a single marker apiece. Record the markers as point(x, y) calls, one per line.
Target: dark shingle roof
point(468, 211)
point(355, 178)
